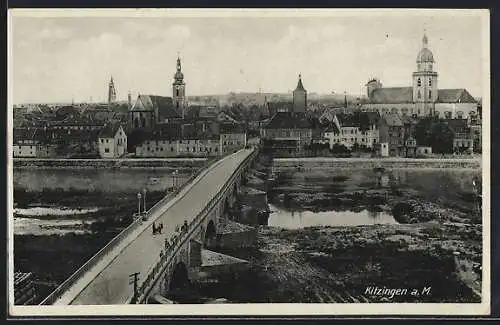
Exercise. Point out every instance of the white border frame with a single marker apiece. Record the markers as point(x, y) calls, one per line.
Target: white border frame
point(274, 309)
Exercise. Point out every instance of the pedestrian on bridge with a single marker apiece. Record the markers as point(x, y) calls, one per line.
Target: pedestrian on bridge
point(154, 229)
point(167, 244)
point(185, 225)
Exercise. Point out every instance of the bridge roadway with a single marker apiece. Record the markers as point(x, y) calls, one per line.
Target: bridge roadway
point(108, 283)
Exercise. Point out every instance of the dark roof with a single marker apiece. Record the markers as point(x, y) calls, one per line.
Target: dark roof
point(300, 86)
point(100, 114)
point(332, 128)
point(408, 119)
point(232, 128)
point(20, 134)
point(392, 95)
point(55, 135)
point(109, 131)
point(457, 125)
point(392, 119)
point(164, 105)
point(196, 132)
point(346, 120)
point(67, 110)
point(455, 96)
point(363, 120)
point(367, 119)
point(286, 120)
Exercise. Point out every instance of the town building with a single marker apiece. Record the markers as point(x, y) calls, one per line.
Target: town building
point(463, 141)
point(392, 133)
point(192, 139)
point(358, 129)
point(423, 98)
point(287, 132)
point(31, 143)
point(299, 98)
point(232, 137)
point(112, 142)
point(410, 147)
point(111, 91)
point(179, 90)
point(150, 110)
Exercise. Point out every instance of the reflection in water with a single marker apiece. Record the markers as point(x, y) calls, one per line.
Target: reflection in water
point(105, 180)
point(302, 219)
point(38, 227)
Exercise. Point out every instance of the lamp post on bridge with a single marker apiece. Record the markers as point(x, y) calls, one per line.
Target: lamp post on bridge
point(174, 178)
point(139, 201)
point(144, 191)
point(134, 279)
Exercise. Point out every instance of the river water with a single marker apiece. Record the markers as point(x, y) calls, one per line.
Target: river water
point(448, 187)
point(41, 218)
point(302, 219)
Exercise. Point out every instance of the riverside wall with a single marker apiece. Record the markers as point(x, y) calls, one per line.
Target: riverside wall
point(169, 163)
point(307, 164)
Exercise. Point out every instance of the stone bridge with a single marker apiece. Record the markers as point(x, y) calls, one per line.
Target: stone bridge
point(163, 261)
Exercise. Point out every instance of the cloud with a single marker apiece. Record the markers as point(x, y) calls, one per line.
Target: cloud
point(52, 33)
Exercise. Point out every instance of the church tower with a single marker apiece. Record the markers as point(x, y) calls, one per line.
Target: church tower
point(111, 91)
point(179, 90)
point(425, 89)
point(299, 98)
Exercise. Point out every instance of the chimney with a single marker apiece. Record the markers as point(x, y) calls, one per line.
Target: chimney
point(129, 100)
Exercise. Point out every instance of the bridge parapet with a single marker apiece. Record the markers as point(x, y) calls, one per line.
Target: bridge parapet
point(119, 239)
point(179, 240)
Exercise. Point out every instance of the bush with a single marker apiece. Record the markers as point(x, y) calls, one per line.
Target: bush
point(402, 212)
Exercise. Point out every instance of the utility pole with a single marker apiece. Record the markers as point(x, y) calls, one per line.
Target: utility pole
point(134, 277)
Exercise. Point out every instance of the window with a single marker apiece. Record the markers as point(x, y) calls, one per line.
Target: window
point(102, 140)
point(460, 114)
point(106, 150)
point(430, 93)
point(107, 140)
point(419, 82)
point(419, 95)
point(430, 82)
point(171, 148)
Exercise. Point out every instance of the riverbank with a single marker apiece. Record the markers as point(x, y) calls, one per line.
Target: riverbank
point(308, 164)
point(431, 253)
point(169, 163)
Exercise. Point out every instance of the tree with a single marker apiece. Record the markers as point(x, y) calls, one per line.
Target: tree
point(433, 132)
point(441, 138)
point(422, 132)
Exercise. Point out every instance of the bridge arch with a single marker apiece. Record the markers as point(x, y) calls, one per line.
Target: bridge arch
point(235, 190)
point(225, 209)
point(179, 279)
point(210, 234)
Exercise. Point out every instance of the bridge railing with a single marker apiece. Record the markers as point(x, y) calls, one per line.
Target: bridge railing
point(61, 289)
point(179, 240)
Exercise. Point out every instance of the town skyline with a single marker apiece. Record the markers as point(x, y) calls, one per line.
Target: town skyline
point(244, 55)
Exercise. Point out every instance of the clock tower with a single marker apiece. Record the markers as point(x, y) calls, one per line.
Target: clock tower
point(179, 90)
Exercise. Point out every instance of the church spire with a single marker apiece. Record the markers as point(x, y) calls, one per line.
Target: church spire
point(425, 41)
point(178, 63)
point(300, 86)
point(111, 91)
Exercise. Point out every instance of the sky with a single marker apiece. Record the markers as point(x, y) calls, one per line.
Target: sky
point(68, 56)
